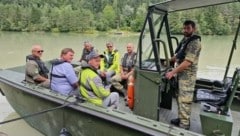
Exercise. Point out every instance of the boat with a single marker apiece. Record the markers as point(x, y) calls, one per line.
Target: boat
point(154, 103)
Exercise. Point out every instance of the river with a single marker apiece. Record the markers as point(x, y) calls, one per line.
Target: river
point(15, 46)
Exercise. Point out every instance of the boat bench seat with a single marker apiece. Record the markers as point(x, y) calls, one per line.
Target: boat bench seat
point(218, 97)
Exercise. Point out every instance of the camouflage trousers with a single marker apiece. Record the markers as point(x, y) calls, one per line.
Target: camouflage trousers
point(119, 83)
point(186, 85)
point(116, 82)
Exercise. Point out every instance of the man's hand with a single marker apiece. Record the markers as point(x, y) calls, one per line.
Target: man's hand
point(124, 76)
point(102, 74)
point(170, 74)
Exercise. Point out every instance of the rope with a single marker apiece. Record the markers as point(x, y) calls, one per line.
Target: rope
point(38, 113)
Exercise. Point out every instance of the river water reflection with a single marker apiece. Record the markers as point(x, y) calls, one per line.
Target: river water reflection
point(15, 46)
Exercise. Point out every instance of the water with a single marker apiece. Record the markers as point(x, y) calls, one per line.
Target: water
point(15, 46)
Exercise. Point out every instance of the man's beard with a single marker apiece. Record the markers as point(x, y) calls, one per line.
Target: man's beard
point(187, 34)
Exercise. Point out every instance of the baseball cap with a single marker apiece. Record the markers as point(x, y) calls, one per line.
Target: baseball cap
point(93, 54)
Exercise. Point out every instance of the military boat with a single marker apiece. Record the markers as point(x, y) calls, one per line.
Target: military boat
point(215, 111)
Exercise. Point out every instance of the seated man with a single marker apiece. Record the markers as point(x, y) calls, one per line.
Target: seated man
point(110, 64)
point(126, 68)
point(36, 71)
point(63, 77)
point(91, 85)
point(88, 47)
point(86, 50)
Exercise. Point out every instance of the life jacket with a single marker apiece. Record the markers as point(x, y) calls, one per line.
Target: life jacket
point(81, 83)
point(180, 50)
point(131, 64)
point(43, 70)
point(56, 62)
point(85, 90)
point(108, 62)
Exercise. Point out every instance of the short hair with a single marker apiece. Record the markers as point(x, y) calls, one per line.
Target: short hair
point(66, 50)
point(87, 42)
point(190, 22)
point(109, 43)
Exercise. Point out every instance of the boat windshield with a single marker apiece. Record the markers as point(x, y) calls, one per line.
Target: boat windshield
point(154, 42)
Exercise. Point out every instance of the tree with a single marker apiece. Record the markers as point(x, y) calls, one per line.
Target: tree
point(35, 15)
point(109, 15)
point(128, 15)
point(63, 22)
point(102, 15)
point(137, 23)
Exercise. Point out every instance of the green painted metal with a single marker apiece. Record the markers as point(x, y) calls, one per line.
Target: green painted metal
point(235, 82)
point(50, 124)
point(147, 86)
point(216, 124)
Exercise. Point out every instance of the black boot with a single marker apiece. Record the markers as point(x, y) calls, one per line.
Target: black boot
point(175, 122)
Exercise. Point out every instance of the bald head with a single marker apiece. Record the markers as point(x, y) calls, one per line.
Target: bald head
point(130, 47)
point(37, 51)
point(36, 47)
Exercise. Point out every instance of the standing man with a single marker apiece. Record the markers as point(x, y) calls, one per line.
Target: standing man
point(36, 71)
point(186, 58)
point(63, 77)
point(110, 64)
point(86, 50)
point(91, 85)
point(126, 69)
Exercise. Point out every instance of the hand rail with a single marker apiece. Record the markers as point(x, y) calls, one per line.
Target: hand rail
point(235, 81)
point(233, 47)
point(165, 51)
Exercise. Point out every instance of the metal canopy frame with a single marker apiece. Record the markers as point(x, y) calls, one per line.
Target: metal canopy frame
point(178, 5)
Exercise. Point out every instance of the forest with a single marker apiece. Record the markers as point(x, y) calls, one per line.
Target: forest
point(89, 16)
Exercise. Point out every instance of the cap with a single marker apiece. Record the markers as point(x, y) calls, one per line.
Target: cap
point(93, 54)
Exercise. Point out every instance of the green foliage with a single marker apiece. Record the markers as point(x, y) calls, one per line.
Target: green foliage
point(137, 23)
point(103, 15)
point(109, 15)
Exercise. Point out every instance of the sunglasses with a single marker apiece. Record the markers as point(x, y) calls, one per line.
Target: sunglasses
point(109, 46)
point(41, 51)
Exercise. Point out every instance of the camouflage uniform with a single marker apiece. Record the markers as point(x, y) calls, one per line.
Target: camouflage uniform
point(186, 82)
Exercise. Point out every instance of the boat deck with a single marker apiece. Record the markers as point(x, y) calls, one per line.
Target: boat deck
point(166, 116)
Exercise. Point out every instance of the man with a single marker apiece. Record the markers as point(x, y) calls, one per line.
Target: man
point(86, 50)
point(36, 71)
point(110, 64)
point(126, 69)
point(186, 58)
point(63, 77)
point(91, 86)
